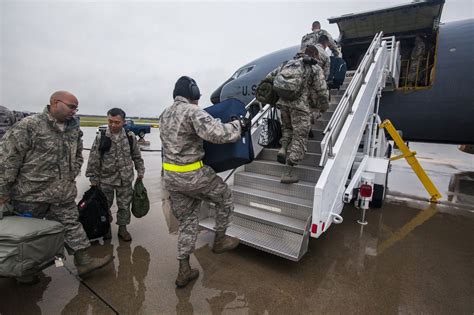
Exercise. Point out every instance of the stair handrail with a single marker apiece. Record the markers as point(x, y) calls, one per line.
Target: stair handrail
point(255, 120)
point(333, 129)
point(397, 65)
point(394, 62)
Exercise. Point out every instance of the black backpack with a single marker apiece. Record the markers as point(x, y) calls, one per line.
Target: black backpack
point(105, 143)
point(94, 213)
point(337, 73)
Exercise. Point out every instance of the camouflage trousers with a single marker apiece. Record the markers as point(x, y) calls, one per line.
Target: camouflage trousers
point(295, 125)
point(415, 67)
point(124, 195)
point(66, 214)
point(185, 206)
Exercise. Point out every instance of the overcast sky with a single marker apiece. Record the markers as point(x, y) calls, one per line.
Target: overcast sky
point(129, 54)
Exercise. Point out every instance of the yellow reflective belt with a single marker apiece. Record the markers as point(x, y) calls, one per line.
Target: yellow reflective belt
point(183, 168)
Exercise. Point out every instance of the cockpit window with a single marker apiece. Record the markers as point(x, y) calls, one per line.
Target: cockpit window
point(242, 71)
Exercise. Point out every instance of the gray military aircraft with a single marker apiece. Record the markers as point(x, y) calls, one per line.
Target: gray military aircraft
point(438, 107)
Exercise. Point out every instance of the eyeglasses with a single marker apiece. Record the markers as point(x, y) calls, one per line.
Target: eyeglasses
point(70, 106)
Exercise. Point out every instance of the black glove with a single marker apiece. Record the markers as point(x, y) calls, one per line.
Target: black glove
point(245, 123)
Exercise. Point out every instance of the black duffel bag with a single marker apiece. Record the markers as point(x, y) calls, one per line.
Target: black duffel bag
point(94, 213)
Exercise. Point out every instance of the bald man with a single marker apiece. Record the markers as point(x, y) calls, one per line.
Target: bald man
point(41, 156)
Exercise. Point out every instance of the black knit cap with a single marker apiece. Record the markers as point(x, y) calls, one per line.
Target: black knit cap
point(183, 88)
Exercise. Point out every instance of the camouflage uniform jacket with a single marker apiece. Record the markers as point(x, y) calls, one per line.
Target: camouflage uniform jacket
point(418, 51)
point(39, 162)
point(315, 93)
point(323, 61)
point(115, 167)
point(7, 119)
point(312, 39)
point(183, 126)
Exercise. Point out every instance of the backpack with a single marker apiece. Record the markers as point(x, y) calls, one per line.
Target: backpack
point(105, 142)
point(308, 39)
point(94, 213)
point(338, 72)
point(290, 80)
point(265, 93)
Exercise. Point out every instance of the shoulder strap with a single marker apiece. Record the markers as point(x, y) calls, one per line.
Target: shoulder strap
point(284, 64)
point(102, 143)
point(130, 137)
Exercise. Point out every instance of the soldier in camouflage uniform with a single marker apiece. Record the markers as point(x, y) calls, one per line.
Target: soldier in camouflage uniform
point(312, 38)
point(323, 59)
point(183, 126)
point(416, 57)
point(296, 116)
point(112, 169)
point(40, 158)
point(7, 119)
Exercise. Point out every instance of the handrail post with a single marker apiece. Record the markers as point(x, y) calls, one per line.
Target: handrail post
point(330, 148)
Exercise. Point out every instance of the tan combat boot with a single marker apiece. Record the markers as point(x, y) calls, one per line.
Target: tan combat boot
point(123, 233)
point(281, 155)
point(223, 243)
point(85, 264)
point(288, 177)
point(185, 273)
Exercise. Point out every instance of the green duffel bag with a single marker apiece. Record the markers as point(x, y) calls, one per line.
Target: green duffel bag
point(140, 202)
point(28, 245)
point(265, 93)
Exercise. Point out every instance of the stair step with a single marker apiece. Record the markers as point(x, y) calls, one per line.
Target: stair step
point(332, 105)
point(336, 98)
point(318, 128)
point(317, 134)
point(269, 183)
point(270, 239)
point(320, 124)
point(345, 85)
point(310, 159)
point(314, 146)
point(289, 206)
point(327, 115)
point(270, 218)
point(306, 173)
point(339, 92)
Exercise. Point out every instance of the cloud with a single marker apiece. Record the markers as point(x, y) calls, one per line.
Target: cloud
point(129, 54)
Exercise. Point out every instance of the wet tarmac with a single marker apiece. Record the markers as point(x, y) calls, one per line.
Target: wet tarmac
point(412, 257)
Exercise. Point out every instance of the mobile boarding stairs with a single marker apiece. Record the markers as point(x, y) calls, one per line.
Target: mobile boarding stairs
point(347, 146)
